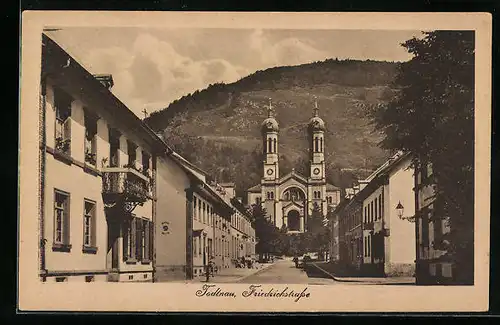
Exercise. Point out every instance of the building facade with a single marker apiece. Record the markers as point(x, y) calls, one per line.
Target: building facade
point(431, 265)
point(97, 178)
point(289, 199)
point(374, 234)
point(388, 235)
point(350, 235)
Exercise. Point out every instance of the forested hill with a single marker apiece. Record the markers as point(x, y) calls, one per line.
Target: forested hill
point(218, 128)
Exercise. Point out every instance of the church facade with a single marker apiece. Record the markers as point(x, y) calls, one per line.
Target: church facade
point(289, 199)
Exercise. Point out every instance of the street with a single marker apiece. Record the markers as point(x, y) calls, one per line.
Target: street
point(284, 271)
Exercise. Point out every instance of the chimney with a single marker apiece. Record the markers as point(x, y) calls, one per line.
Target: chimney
point(105, 79)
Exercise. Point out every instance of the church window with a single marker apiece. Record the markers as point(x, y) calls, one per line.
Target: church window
point(269, 145)
point(321, 145)
point(274, 145)
point(315, 144)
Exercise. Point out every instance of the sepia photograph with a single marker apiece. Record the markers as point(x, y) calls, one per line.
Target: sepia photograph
point(278, 165)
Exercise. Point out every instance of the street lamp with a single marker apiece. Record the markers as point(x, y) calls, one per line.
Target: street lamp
point(400, 210)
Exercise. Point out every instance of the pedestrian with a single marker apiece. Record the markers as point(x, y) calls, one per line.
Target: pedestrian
point(296, 261)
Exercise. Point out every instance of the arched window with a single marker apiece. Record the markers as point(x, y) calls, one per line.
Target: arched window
point(269, 145)
point(321, 145)
point(274, 145)
point(315, 144)
point(293, 194)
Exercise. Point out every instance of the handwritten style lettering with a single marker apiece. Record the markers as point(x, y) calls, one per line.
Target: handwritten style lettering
point(211, 290)
point(257, 291)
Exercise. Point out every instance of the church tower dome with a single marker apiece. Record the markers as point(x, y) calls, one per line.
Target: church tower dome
point(316, 123)
point(270, 124)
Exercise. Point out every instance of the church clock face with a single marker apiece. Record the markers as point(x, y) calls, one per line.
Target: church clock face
point(270, 172)
point(316, 171)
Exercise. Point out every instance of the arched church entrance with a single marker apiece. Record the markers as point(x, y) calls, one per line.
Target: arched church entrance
point(293, 220)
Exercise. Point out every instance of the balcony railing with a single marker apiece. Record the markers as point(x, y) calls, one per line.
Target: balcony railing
point(125, 185)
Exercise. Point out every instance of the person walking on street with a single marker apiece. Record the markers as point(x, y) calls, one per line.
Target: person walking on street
point(296, 261)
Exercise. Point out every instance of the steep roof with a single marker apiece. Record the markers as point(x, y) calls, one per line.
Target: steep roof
point(330, 187)
point(292, 174)
point(256, 188)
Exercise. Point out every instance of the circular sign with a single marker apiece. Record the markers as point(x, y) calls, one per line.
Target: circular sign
point(316, 171)
point(269, 172)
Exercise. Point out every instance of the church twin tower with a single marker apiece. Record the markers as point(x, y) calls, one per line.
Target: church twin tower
point(270, 131)
point(290, 199)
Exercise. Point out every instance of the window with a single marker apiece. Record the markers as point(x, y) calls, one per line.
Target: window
point(366, 214)
point(425, 230)
point(62, 103)
point(148, 241)
point(132, 154)
point(371, 211)
point(380, 213)
point(90, 138)
point(145, 163)
point(258, 200)
point(199, 246)
point(195, 246)
point(365, 246)
point(61, 279)
point(274, 145)
point(129, 240)
point(429, 169)
point(89, 224)
point(376, 209)
point(89, 278)
point(61, 218)
point(139, 239)
point(369, 245)
point(114, 148)
point(204, 217)
point(437, 227)
point(199, 210)
point(194, 208)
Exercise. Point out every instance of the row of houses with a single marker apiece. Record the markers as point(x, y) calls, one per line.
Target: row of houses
point(116, 203)
point(383, 228)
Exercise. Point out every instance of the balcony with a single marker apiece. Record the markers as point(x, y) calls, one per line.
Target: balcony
point(126, 187)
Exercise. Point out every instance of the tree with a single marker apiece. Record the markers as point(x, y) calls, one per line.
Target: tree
point(432, 117)
point(316, 237)
point(265, 231)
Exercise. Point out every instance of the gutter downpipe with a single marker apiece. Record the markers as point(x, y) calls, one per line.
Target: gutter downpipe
point(42, 159)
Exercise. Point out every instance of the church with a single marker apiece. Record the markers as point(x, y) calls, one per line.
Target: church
point(289, 199)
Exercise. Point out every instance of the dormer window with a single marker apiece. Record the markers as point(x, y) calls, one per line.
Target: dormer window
point(62, 103)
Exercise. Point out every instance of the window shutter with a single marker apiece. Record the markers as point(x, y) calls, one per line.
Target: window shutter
point(126, 237)
point(138, 239)
point(133, 236)
point(151, 240)
point(67, 130)
point(66, 222)
point(93, 225)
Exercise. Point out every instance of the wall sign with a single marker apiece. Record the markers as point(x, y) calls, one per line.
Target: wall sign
point(165, 228)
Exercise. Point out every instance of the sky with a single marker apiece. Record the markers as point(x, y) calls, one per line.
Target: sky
point(153, 67)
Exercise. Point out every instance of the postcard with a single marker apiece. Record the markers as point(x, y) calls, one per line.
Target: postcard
point(254, 162)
